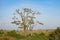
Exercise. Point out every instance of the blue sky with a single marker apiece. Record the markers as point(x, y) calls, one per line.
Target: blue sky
point(49, 9)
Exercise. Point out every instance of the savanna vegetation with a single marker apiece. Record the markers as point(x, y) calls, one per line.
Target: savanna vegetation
point(36, 35)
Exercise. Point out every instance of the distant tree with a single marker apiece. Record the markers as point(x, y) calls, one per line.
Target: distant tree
point(27, 17)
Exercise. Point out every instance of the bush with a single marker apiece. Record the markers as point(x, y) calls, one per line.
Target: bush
point(14, 34)
point(55, 35)
point(1, 32)
point(42, 33)
point(52, 36)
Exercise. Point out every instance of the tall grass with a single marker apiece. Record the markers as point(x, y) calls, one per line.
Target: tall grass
point(55, 35)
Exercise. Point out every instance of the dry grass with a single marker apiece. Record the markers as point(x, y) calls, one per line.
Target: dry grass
point(6, 38)
point(46, 32)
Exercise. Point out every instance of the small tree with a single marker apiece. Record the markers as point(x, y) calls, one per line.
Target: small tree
point(27, 17)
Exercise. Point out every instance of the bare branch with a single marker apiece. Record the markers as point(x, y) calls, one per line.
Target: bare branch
point(39, 22)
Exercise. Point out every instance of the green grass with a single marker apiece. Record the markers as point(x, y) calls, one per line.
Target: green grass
point(18, 36)
point(36, 35)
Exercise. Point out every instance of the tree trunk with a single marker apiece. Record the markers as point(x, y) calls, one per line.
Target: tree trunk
point(30, 30)
point(24, 31)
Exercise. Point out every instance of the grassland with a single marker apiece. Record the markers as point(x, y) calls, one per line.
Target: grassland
point(19, 35)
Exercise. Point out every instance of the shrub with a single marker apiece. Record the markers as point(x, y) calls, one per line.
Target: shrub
point(1, 32)
point(15, 34)
point(55, 35)
point(42, 33)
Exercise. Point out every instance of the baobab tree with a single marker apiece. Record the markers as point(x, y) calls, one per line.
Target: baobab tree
point(27, 18)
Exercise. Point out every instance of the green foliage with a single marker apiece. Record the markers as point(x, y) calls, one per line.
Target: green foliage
point(15, 34)
point(42, 33)
point(52, 36)
point(18, 36)
point(57, 30)
point(1, 32)
point(36, 36)
point(55, 35)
